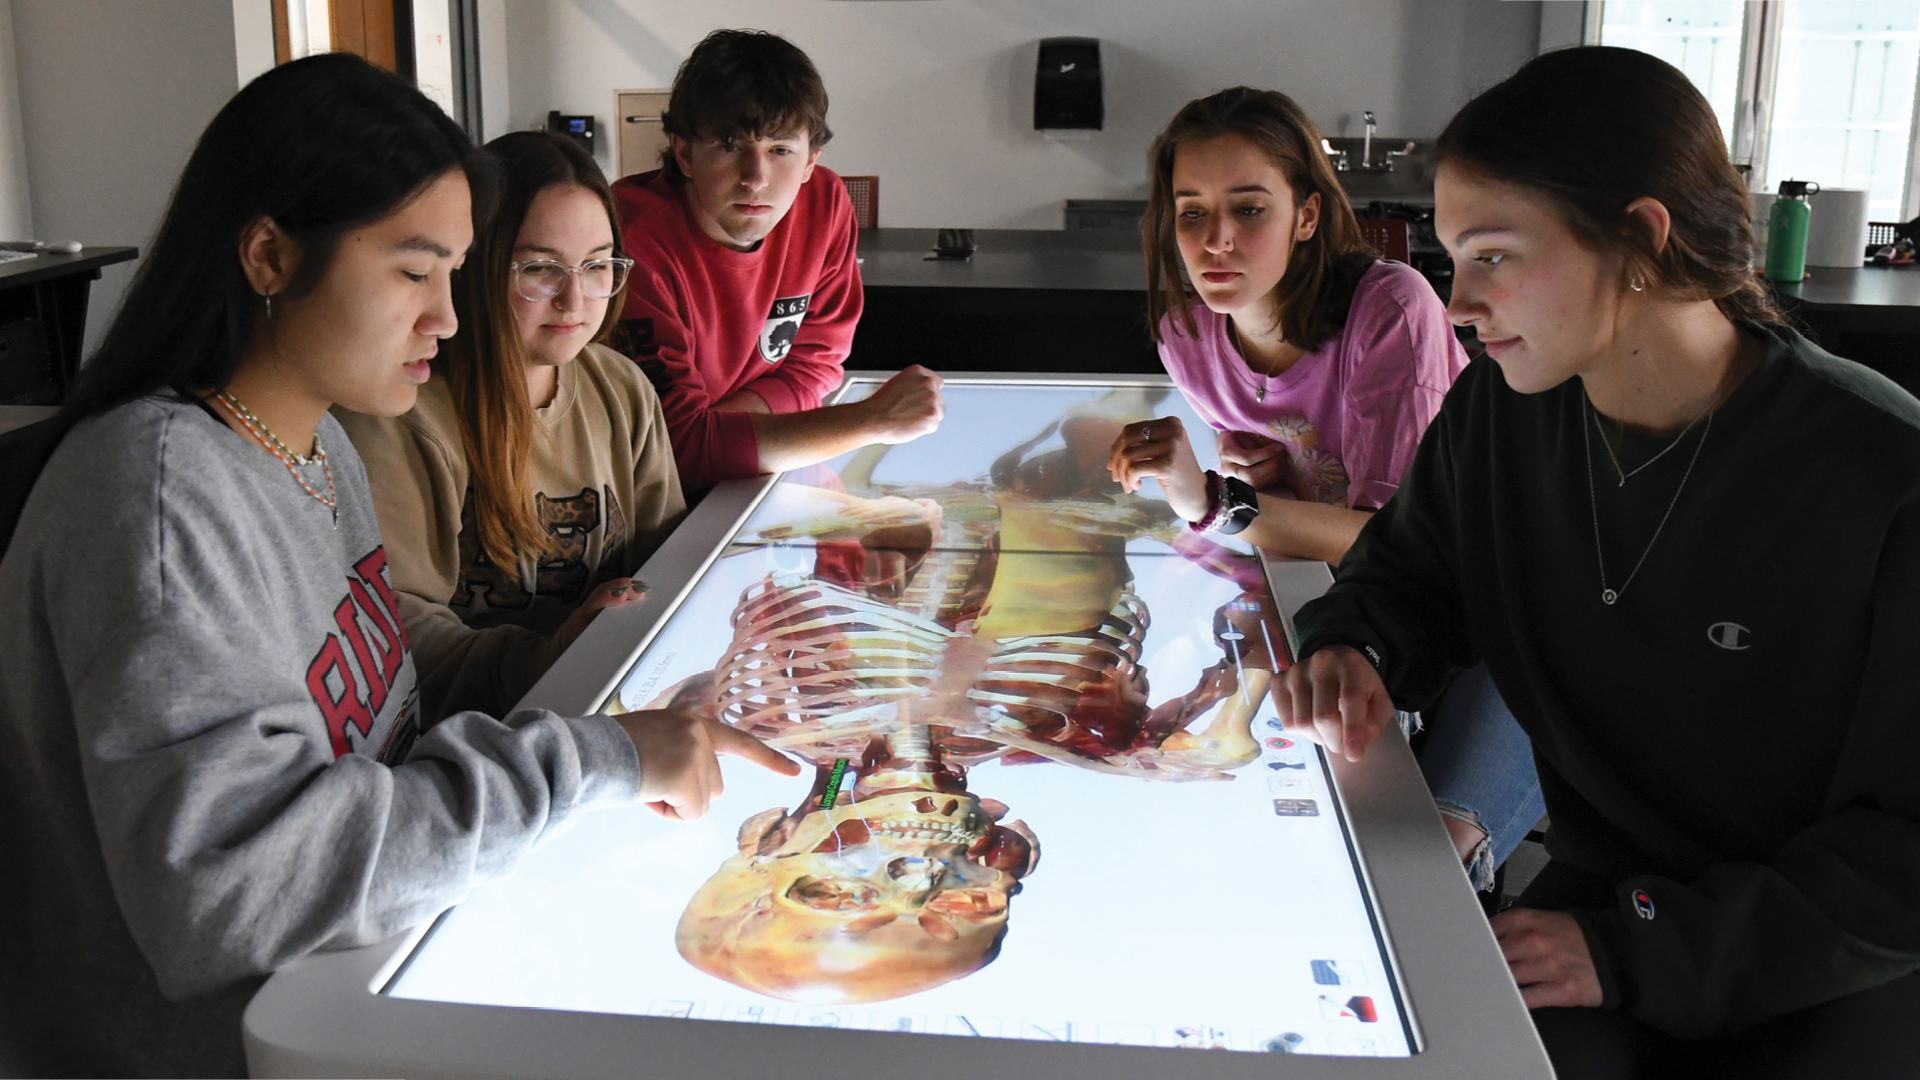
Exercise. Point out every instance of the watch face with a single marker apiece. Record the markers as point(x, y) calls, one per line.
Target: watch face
point(1241, 496)
point(1242, 505)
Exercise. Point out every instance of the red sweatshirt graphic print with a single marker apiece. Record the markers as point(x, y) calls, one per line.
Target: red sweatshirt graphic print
point(362, 676)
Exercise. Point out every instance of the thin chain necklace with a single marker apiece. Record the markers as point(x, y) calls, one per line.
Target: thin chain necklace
point(291, 460)
point(1259, 388)
point(1638, 469)
point(1608, 596)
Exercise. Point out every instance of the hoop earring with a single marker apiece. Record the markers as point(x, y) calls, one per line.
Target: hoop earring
point(1636, 284)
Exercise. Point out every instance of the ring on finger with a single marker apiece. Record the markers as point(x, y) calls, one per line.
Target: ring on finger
point(1146, 434)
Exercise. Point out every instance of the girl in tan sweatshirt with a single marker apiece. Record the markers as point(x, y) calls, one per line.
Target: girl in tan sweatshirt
point(534, 476)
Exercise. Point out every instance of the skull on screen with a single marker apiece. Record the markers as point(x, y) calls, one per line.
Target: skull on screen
point(877, 896)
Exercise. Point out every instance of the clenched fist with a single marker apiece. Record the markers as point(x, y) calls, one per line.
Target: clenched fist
point(1336, 699)
point(906, 407)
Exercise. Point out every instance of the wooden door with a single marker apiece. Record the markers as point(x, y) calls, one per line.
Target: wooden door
point(379, 30)
point(365, 28)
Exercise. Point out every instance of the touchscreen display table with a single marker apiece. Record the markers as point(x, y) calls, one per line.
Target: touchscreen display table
point(1044, 794)
point(1047, 795)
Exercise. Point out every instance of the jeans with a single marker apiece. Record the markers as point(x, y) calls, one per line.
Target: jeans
point(1479, 766)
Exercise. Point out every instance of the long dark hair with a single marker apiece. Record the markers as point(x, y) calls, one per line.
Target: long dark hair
point(485, 364)
point(1595, 128)
point(322, 146)
point(1313, 296)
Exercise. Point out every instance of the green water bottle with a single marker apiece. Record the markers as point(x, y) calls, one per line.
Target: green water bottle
point(1787, 231)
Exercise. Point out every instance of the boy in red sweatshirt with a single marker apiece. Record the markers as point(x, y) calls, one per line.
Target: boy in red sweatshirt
point(745, 290)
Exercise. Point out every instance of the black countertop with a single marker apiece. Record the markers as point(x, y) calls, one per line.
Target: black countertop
point(1854, 287)
point(1007, 259)
point(46, 265)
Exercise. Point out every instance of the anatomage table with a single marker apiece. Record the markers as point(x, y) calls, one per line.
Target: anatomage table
point(1047, 820)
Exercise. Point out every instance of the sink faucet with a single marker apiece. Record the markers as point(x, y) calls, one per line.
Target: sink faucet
point(1366, 151)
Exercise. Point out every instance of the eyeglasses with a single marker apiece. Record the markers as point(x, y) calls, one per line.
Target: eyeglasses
point(543, 279)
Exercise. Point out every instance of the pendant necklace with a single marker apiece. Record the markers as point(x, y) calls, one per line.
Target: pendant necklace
point(1260, 388)
point(272, 444)
point(1609, 596)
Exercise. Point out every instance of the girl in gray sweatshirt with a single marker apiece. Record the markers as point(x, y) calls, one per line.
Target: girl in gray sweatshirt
point(211, 756)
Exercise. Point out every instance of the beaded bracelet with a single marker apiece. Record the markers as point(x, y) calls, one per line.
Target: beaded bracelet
point(1216, 506)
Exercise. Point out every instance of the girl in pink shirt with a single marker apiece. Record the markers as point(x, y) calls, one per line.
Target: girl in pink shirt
point(1339, 424)
point(1319, 365)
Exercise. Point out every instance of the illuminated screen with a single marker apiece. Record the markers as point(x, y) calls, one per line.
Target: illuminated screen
point(1046, 794)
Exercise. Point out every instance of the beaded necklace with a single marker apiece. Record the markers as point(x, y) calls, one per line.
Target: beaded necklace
point(291, 460)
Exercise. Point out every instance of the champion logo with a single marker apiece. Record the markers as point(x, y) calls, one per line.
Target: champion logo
point(1643, 904)
point(1730, 636)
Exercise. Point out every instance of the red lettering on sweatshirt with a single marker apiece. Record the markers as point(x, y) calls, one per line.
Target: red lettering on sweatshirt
point(364, 696)
point(374, 569)
point(389, 639)
point(344, 710)
point(349, 625)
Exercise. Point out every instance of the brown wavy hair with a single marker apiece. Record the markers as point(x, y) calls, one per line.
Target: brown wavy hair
point(1313, 296)
point(485, 365)
point(744, 84)
point(1594, 128)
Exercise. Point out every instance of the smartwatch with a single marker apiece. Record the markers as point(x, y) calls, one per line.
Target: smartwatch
point(1239, 505)
point(1231, 505)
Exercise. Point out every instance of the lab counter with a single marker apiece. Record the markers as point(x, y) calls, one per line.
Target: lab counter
point(1870, 314)
point(1028, 300)
point(1047, 822)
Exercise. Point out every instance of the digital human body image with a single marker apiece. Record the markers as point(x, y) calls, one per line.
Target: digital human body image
point(919, 647)
point(1035, 710)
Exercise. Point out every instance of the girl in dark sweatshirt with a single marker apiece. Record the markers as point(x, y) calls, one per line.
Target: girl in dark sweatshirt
point(1686, 543)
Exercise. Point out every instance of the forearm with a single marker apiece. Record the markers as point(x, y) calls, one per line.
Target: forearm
point(360, 851)
point(1305, 530)
point(794, 440)
point(462, 668)
point(236, 840)
point(1746, 942)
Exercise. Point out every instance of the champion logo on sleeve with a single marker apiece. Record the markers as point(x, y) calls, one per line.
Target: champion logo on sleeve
point(1643, 904)
point(783, 326)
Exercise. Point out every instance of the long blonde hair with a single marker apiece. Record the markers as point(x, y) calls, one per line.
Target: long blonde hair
point(485, 364)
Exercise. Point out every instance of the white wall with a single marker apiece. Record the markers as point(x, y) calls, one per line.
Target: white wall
point(16, 206)
point(433, 51)
point(113, 96)
point(936, 97)
point(496, 117)
point(252, 39)
point(1566, 23)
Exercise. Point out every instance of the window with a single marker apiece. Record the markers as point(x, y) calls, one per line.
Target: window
point(1843, 99)
point(1700, 37)
point(1819, 90)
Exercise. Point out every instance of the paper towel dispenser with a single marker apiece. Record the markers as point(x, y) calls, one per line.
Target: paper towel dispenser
point(1066, 88)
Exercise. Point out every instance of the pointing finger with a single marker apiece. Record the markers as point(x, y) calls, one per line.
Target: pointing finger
point(736, 743)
